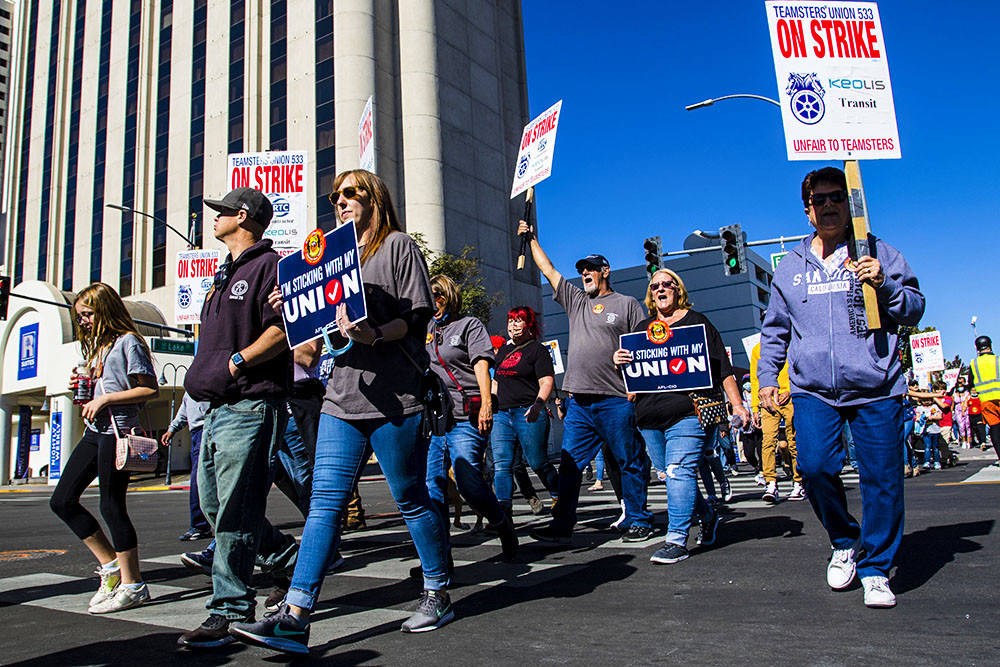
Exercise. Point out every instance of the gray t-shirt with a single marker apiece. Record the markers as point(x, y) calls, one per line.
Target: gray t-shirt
point(370, 382)
point(126, 359)
point(461, 343)
point(595, 323)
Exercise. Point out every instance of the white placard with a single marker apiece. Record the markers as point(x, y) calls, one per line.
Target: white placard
point(833, 80)
point(282, 176)
point(557, 362)
point(193, 271)
point(538, 145)
point(366, 137)
point(750, 342)
point(951, 377)
point(926, 352)
point(729, 353)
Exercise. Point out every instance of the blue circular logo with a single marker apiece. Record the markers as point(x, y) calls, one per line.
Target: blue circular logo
point(281, 206)
point(522, 165)
point(807, 107)
point(184, 297)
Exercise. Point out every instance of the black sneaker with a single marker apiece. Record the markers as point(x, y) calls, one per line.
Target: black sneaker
point(638, 533)
point(508, 538)
point(433, 611)
point(552, 534)
point(706, 537)
point(200, 562)
point(276, 598)
point(195, 534)
point(280, 632)
point(727, 492)
point(213, 633)
point(669, 554)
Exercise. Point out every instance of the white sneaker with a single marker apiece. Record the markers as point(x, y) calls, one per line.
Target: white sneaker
point(798, 493)
point(771, 493)
point(840, 571)
point(620, 520)
point(109, 582)
point(759, 478)
point(877, 592)
point(124, 598)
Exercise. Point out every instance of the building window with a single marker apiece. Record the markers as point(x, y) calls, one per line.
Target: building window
point(45, 204)
point(101, 144)
point(160, 179)
point(22, 188)
point(126, 255)
point(279, 84)
point(73, 155)
point(197, 153)
point(237, 27)
point(326, 168)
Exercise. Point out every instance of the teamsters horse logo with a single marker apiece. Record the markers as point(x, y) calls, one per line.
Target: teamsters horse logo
point(806, 97)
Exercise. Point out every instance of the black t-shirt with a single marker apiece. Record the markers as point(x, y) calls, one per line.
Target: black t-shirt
point(663, 410)
point(517, 373)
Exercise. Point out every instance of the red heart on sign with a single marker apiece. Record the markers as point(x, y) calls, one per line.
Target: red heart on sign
point(677, 366)
point(333, 291)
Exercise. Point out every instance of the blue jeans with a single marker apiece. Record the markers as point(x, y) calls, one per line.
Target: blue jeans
point(342, 449)
point(931, 448)
point(675, 453)
point(599, 466)
point(878, 431)
point(465, 446)
point(198, 520)
point(296, 461)
point(509, 428)
point(908, 458)
point(591, 419)
point(238, 441)
point(851, 458)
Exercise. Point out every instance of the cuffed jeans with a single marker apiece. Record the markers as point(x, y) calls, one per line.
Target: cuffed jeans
point(591, 419)
point(675, 453)
point(342, 450)
point(509, 428)
point(878, 432)
point(238, 442)
point(465, 446)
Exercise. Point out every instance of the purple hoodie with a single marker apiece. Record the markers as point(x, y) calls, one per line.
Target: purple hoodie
point(818, 320)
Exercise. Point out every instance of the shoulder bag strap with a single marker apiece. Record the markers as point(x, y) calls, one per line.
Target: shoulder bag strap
point(516, 348)
point(114, 424)
point(445, 365)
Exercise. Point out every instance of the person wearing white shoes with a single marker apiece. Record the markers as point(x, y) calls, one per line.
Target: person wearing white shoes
point(841, 370)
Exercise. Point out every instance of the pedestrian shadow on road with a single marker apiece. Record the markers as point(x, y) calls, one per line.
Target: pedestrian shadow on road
point(924, 552)
point(153, 650)
point(732, 531)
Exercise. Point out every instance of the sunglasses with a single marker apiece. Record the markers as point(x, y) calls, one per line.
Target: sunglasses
point(666, 284)
point(438, 294)
point(83, 317)
point(837, 197)
point(350, 192)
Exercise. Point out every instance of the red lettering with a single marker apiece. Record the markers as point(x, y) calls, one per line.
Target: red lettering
point(791, 40)
point(819, 49)
point(840, 35)
point(182, 269)
point(856, 32)
point(257, 173)
point(872, 39)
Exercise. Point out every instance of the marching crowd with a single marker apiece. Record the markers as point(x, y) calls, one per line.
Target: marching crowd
point(453, 416)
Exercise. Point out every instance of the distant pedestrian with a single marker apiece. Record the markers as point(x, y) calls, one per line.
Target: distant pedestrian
point(191, 415)
point(985, 370)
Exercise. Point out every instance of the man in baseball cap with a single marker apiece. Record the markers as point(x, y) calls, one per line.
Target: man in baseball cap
point(256, 204)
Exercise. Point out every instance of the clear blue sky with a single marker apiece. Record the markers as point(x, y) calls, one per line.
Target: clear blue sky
point(631, 162)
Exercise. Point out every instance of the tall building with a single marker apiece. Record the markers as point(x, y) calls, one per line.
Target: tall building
point(6, 50)
point(137, 104)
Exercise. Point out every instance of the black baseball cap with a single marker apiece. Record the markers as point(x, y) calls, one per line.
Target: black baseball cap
point(599, 261)
point(254, 202)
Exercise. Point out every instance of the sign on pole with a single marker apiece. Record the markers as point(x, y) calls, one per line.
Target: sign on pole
point(926, 352)
point(833, 78)
point(777, 257)
point(667, 359)
point(749, 343)
point(281, 175)
point(315, 280)
point(366, 137)
point(195, 270)
point(538, 144)
point(557, 362)
point(951, 377)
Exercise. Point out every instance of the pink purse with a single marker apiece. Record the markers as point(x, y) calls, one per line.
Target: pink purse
point(134, 452)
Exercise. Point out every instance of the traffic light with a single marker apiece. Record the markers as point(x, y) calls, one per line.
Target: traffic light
point(734, 255)
point(654, 254)
point(4, 296)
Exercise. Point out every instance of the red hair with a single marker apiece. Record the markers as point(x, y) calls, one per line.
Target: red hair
point(526, 314)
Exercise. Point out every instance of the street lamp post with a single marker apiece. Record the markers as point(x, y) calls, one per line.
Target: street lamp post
point(975, 333)
point(189, 239)
point(710, 102)
point(173, 396)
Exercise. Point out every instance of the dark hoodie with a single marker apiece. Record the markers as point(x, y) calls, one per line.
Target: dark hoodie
point(818, 319)
point(235, 314)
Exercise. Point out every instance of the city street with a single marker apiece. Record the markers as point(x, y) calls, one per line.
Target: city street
point(758, 596)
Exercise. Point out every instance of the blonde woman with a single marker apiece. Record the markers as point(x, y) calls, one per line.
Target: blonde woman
point(124, 379)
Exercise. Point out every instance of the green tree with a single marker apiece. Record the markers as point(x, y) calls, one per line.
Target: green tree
point(465, 270)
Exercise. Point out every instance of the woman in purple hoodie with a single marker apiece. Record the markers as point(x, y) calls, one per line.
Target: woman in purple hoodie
point(840, 370)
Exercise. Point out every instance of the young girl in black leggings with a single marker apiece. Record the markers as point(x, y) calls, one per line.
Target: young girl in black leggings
point(120, 358)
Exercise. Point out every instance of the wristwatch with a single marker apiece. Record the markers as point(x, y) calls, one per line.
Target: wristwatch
point(239, 361)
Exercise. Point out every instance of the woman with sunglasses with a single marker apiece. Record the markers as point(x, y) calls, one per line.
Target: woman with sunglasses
point(675, 439)
point(123, 379)
point(461, 354)
point(372, 402)
point(524, 379)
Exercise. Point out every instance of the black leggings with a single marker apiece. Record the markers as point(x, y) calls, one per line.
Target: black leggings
point(94, 456)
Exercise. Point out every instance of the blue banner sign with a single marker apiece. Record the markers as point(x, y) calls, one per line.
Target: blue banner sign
point(315, 280)
point(55, 451)
point(667, 359)
point(28, 362)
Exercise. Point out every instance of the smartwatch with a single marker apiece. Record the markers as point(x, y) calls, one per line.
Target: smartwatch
point(239, 361)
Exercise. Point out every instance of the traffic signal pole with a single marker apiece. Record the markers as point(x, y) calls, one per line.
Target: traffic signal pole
point(715, 248)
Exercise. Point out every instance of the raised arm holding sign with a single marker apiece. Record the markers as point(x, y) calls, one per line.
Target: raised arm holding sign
point(534, 162)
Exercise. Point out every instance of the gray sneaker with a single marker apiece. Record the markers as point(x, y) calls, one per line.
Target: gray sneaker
point(433, 611)
point(109, 583)
point(669, 554)
point(124, 597)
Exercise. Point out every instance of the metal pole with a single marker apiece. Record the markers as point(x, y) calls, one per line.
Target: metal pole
point(710, 102)
point(715, 248)
point(155, 325)
point(173, 396)
point(128, 209)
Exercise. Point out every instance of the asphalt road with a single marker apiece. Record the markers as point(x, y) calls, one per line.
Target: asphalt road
point(757, 597)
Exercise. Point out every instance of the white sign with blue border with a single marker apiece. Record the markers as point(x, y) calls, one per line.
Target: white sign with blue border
point(667, 359)
point(317, 279)
point(27, 366)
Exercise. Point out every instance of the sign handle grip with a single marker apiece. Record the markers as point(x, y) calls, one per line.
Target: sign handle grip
point(859, 236)
point(529, 200)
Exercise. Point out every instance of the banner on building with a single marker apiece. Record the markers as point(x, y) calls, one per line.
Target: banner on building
point(927, 352)
point(282, 176)
point(667, 359)
point(833, 80)
point(366, 136)
point(23, 441)
point(538, 146)
point(55, 446)
point(27, 366)
point(194, 272)
point(556, 354)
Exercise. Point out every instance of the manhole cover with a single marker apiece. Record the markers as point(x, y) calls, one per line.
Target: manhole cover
point(29, 554)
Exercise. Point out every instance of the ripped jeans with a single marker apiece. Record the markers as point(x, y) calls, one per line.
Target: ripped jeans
point(675, 453)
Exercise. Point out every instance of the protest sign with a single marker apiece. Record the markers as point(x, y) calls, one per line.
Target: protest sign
point(366, 137)
point(950, 377)
point(749, 343)
point(833, 77)
point(316, 279)
point(926, 352)
point(554, 351)
point(195, 270)
point(282, 176)
point(538, 145)
point(667, 359)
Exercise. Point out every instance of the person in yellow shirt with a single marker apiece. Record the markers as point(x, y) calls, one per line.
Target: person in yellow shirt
point(769, 422)
point(985, 370)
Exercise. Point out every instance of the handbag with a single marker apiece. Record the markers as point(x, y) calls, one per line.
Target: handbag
point(435, 398)
point(471, 405)
point(134, 452)
point(710, 407)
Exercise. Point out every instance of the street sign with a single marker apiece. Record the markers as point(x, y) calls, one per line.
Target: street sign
point(282, 176)
point(775, 258)
point(173, 346)
point(538, 145)
point(833, 77)
point(366, 137)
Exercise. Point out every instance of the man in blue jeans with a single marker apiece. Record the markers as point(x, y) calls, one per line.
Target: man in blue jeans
point(598, 408)
point(242, 369)
point(840, 370)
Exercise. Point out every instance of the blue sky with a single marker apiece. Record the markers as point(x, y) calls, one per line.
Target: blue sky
point(631, 162)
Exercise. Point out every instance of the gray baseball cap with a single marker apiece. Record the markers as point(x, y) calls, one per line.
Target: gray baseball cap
point(254, 202)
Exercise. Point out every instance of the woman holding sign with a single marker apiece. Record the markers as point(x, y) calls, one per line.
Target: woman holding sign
point(675, 437)
point(372, 402)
